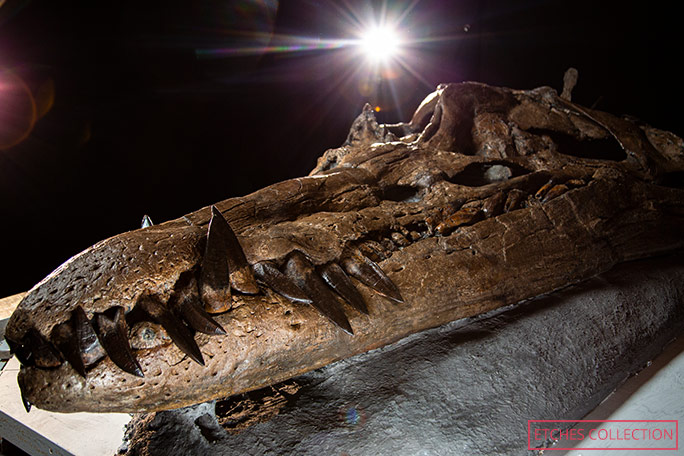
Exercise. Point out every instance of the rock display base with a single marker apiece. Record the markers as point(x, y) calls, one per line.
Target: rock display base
point(468, 387)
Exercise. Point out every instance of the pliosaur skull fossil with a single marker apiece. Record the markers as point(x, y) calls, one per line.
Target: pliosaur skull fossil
point(487, 197)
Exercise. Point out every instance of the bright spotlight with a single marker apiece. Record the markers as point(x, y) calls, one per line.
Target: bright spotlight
point(380, 43)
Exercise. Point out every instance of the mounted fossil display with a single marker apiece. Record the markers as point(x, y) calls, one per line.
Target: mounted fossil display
point(487, 197)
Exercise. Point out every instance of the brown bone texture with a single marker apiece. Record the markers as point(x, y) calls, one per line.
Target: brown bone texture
point(487, 197)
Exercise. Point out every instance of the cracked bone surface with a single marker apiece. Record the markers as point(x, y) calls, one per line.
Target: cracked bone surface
point(487, 197)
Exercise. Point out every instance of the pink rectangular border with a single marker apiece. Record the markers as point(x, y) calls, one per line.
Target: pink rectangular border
point(529, 429)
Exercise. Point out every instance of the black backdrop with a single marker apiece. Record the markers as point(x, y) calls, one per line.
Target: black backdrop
point(153, 114)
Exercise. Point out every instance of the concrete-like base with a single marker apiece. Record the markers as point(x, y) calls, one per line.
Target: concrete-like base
point(465, 388)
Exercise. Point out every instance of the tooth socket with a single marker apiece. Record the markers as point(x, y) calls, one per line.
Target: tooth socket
point(112, 333)
point(268, 273)
point(176, 329)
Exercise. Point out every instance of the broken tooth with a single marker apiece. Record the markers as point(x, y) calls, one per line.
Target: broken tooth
point(494, 205)
point(574, 183)
point(514, 199)
point(544, 189)
point(369, 273)
point(303, 273)
point(463, 216)
point(339, 281)
point(176, 329)
point(112, 332)
point(556, 191)
point(268, 273)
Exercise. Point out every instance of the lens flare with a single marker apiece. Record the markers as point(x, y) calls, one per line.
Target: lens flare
point(380, 43)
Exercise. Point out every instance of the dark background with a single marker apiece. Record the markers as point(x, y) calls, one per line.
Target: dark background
point(150, 113)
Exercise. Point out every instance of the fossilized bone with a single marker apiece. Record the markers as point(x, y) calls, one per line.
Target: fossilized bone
point(487, 197)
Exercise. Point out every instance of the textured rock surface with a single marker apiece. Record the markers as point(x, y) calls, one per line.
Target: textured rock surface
point(461, 388)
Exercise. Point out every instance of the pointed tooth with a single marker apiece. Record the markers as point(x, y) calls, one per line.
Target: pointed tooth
point(224, 265)
point(27, 404)
point(494, 205)
point(544, 189)
point(215, 277)
point(339, 281)
point(241, 277)
point(113, 335)
point(179, 333)
point(268, 273)
point(302, 272)
point(89, 345)
point(146, 221)
point(187, 303)
point(370, 274)
point(199, 320)
point(44, 354)
point(64, 337)
point(513, 200)
point(556, 191)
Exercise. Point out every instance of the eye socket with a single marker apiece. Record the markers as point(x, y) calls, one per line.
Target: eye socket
point(146, 334)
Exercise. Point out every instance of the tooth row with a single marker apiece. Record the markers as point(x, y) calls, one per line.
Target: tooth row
point(82, 341)
point(500, 203)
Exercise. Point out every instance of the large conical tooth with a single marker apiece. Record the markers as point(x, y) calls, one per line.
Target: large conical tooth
point(77, 341)
point(302, 272)
point(199, 320)
point(88, 343)
point(339, 281)
point(64, 336)
point(112, 332)
point(186, 302)
point(215, 277)
point(268, 273)
point(43, 353)
point(370, 274)
point(179, 333)
point(224, 265)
